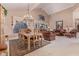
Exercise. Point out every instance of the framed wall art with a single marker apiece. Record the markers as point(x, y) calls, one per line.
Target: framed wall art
point(59, 24)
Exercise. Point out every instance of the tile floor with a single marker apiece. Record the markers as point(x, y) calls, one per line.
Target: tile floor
point(62, 46)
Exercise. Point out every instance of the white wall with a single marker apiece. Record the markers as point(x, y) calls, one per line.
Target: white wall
point(65, 15)
point(8, 19)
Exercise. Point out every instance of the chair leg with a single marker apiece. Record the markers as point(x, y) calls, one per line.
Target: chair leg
point(42, 40)
point(39, 43)
point(34, 44)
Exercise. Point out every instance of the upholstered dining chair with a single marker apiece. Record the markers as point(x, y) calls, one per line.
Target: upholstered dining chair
point(39, 36)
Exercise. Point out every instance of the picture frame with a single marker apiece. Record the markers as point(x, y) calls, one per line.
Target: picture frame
point(41, 17)
point(59, 24)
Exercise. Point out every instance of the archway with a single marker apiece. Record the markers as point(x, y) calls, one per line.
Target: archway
point(76, 18)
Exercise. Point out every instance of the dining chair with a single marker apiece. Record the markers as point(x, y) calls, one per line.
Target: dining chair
point(33, 39)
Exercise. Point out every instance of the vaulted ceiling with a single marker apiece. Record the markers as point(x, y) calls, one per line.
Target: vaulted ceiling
point(55, 7)
point(19, 6)
point(49, 8)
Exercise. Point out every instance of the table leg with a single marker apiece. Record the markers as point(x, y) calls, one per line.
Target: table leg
point(29, 43)
point(41, 40)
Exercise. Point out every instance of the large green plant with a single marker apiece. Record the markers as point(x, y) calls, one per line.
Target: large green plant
point(5, 11)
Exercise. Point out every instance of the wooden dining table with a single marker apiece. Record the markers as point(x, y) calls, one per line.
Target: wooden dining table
point(29, 35)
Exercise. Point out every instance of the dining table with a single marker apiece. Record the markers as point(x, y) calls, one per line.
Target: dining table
point(29, 35)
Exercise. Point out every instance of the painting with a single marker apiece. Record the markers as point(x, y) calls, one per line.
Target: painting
point(41, 17)
point(59, 24)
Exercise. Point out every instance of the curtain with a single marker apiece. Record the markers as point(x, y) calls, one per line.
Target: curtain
point(18, 26)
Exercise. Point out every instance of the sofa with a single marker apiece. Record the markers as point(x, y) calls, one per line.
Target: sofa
point(48, 35)
point(59, 32)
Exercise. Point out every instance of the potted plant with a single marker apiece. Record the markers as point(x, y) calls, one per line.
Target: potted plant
point(5, 11)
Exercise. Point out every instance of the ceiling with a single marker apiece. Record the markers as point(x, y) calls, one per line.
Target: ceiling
point(55, 7)
point(47, 7)
point(19, 6)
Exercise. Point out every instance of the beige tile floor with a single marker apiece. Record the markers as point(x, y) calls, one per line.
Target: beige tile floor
point(62, 46)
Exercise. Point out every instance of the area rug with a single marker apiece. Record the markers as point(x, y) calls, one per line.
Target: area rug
point(18, 48)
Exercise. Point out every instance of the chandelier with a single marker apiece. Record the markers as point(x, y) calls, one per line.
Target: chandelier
point(28, 15)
